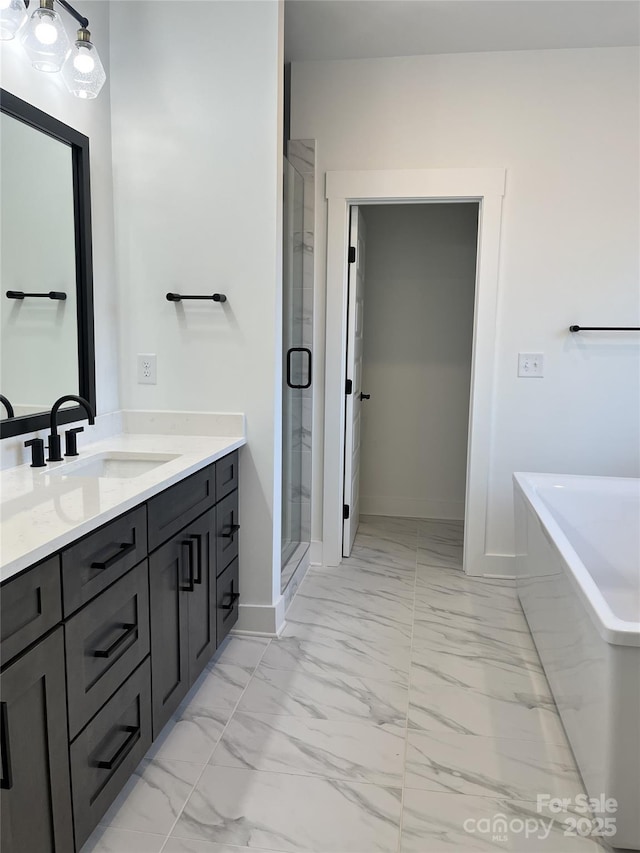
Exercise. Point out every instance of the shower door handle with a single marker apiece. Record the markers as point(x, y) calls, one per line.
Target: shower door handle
point(307, 352)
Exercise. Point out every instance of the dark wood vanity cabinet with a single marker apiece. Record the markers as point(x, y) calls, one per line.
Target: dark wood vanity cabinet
point(100, 643)
point(35, 795)
point(183, 614)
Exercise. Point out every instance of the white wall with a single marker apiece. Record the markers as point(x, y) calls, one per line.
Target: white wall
point(197, 118)
point(418, 328)
point(564, 124)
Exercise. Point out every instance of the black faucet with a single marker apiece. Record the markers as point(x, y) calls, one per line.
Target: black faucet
point(54, 438)
point(8, 406)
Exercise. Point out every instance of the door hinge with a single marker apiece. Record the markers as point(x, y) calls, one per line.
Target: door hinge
point(348, 388)
point(345, 511)
point(352, 254)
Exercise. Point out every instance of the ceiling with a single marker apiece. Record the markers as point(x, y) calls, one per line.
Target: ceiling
point(359, 29)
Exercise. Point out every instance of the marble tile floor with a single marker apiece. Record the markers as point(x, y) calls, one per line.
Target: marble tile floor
point(403, 710)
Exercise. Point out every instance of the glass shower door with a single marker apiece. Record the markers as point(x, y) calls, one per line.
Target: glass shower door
point(296, 390)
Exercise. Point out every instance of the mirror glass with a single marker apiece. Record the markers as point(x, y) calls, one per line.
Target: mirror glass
point(38, 334)
point(46, 269)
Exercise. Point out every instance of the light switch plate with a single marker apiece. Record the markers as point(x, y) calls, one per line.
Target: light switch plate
point(531, 365)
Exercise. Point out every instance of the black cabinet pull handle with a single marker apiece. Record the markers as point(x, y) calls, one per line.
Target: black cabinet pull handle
point(197, 537)
point(189, 544)
point(129, 631)
point(7, 776)
point(365, 396)
point(122, 750)
point(233, 597)
point(307, 352)
point(124, 549)
point(231, 531)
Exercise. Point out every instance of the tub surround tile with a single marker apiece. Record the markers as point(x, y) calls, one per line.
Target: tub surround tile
point(325, 697)
point(154, 796)
point(351, 751)
point(291, 813)
point(490, 767)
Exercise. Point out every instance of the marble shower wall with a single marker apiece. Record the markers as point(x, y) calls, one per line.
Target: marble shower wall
point(302, 155)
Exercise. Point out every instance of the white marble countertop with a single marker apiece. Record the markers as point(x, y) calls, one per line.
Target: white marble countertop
point(41, 510)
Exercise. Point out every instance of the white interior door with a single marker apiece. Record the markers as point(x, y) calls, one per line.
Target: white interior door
point(354, 380)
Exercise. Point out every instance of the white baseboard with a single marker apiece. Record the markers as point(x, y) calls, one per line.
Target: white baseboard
point(410, 507)
point(493, 566)
point(263, 620)
point(316, 552)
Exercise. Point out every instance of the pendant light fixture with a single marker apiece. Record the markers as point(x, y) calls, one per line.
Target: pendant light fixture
point(83, 71)
point(45, 39)
point(13, 14)
point(47, 44)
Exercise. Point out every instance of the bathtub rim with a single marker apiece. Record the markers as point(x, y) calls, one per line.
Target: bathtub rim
point(611, 628)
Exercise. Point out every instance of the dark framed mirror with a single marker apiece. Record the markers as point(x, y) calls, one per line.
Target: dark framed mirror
point(46, 304)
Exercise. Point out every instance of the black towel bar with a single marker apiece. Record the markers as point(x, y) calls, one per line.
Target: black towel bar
point(177, 297)
point(52, 294)
point(604, 328)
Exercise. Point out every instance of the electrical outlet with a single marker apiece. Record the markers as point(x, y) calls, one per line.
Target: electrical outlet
point(531, 364)
point(147, 369)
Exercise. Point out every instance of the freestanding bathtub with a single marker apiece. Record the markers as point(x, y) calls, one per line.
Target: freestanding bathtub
point(578, 579)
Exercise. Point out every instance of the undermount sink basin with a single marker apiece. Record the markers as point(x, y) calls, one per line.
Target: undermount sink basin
point(119, 465)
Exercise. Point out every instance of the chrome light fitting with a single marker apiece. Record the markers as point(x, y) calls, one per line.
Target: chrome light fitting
point(47, 44)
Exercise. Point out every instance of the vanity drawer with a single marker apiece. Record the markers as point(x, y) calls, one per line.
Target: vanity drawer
point(96, 561)
point(227, 597)
point(30, 605)
point(227, 528)
point(105, 642)
point(172, 510)
point(107, 752)
point(226, 475)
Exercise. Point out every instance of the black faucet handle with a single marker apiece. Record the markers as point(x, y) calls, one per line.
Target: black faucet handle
point(37, 452)
point(71, 441)
point(54, 448)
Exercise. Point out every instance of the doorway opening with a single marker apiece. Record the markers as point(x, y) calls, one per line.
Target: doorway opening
point(411, 296)
point(486, 187)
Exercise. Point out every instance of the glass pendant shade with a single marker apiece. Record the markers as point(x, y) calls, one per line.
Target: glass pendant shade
point(13, 14)
point(45, 39)
point(83, 71)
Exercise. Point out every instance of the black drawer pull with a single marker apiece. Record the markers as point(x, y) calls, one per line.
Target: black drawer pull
point(123, 749)
point(197, 537)
point(129, 630)
point(125, 548)
point(231, 531)
point(189, 544)
point(233, 597)
point(7, 777)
